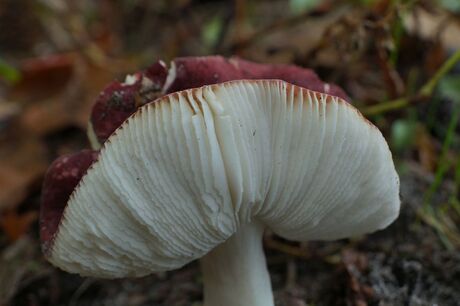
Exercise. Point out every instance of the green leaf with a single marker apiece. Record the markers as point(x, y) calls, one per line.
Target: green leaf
point(403, 134)
point(444, 163)
point(300, 6)
point(8, 72)
point(449, 87)
point(397, 29)
point(367, 2)
point(211, 31)
point(451, 5)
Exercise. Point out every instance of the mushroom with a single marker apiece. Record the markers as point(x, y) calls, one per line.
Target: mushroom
point(120, 100)
point(200, 173)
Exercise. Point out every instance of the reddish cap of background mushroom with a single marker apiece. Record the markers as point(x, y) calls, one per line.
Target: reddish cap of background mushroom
point(62, 177)
point(191, 72)
point(119, 100)
point(296, 75)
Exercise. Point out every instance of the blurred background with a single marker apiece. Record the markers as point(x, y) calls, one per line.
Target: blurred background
point(396, 59)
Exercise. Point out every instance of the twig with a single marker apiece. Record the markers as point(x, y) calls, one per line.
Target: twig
point(424, 92)
point(448, 233)
point(428, 88)
point(287, 249)
point(240, 17)
point(80, 290)
point(431, 220)
point(291, 274)
point(386, 106)
point(444, 164)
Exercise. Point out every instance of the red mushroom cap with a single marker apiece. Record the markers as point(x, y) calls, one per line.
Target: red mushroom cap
point(296, 75)
point(191, 72)
point(62, 177)
point(120, 100)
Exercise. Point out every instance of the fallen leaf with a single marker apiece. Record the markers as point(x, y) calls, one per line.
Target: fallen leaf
point(429, 25)
point(22, 163)
point(426, 149)
point(42, 76)
point(15, 225)
point(71, 106)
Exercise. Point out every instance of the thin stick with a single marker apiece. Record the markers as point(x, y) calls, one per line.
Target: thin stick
point(425, 91)
point(428, 88)
point(386, 106)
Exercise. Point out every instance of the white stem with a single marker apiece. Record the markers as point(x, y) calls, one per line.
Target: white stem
point(235, 273)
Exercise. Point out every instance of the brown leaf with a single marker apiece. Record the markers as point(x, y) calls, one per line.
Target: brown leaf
point(23, 156)
point(427, 152)
point(14, 225)
point(434, 25)
point(22, 163)
point(43, 76)
point(71, 106)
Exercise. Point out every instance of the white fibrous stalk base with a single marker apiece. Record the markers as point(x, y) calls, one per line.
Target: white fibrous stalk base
point(235, 273)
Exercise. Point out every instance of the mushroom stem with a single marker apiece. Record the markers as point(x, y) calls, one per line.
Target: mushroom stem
point(235, 273)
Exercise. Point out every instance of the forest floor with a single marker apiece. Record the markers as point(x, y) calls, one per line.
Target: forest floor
point(397, 60)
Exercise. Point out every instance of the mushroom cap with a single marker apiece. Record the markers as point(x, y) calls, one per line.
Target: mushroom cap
point(182, 174)
point(119, 100)
point(191, 72)
point(62, 177)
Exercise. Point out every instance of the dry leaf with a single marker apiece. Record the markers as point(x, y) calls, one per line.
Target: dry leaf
point(427, 153)
point(43, 77)
point(14, 225)
point(429, 25)
point(21, 164)
point(72, 105)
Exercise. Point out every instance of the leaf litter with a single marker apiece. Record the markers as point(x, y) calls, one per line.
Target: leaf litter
point(54, 76)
